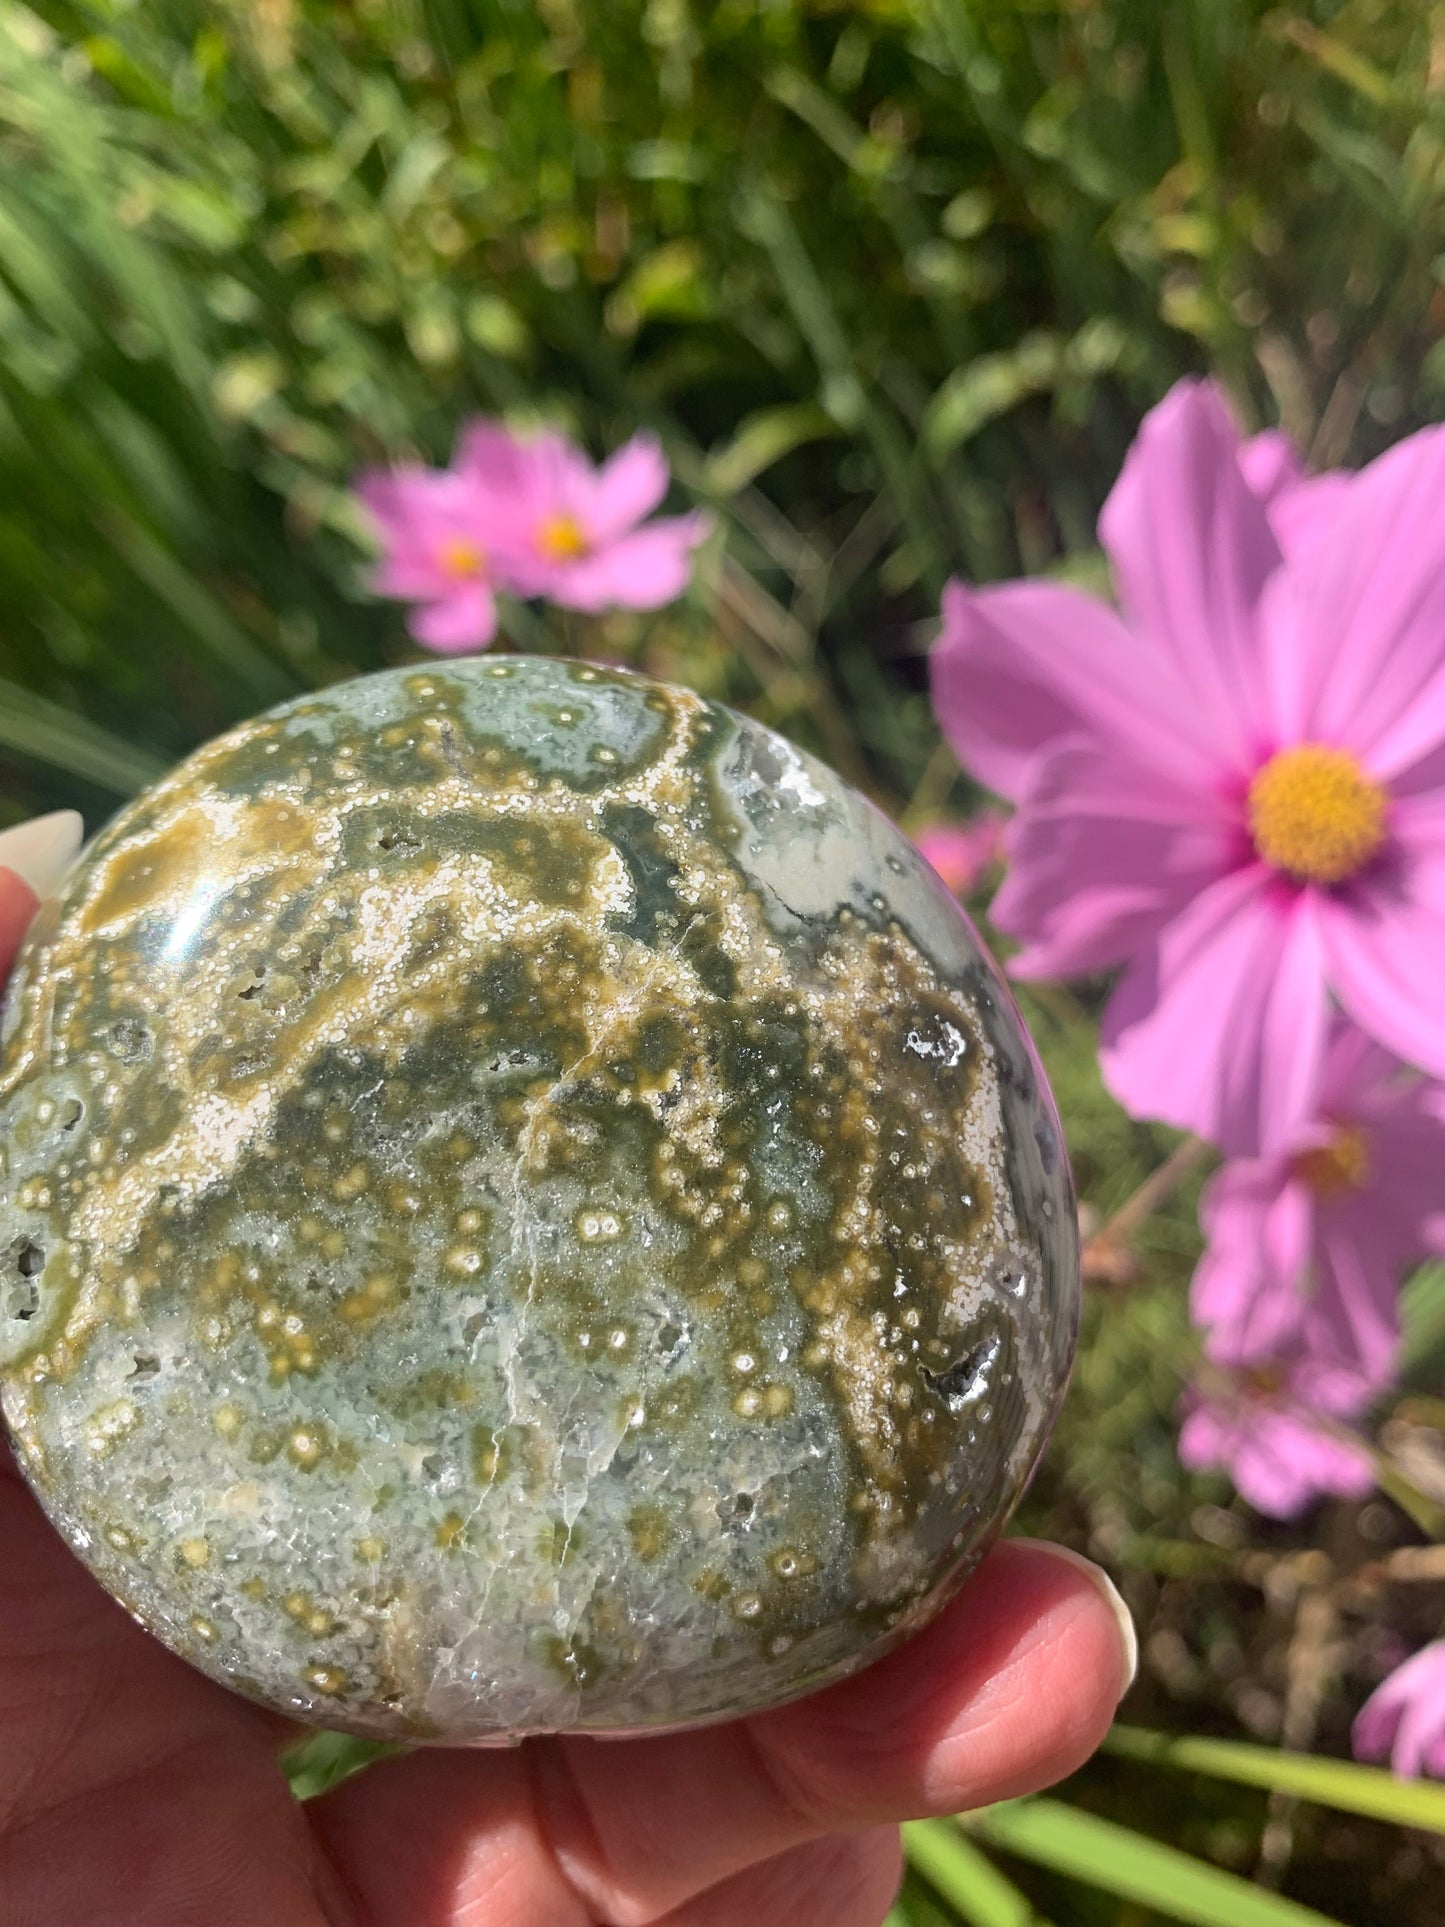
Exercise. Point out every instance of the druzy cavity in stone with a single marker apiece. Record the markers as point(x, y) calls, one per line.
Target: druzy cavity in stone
point(524, 1207)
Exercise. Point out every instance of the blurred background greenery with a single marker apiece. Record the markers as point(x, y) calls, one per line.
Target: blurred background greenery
point(894, 281)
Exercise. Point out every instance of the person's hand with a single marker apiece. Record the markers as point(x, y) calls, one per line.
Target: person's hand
point(136, 1793)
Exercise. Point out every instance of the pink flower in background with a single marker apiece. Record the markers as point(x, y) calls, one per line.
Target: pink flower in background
point(964, 853)
point(1308, 1246)
point(1405, 1717)
point(584, 539)
point(1268, 1427)
point(443, 535)
point(533, 517)
point(1236, 789)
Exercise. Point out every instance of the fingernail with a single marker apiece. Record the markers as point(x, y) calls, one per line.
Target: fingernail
point(1112, 1598)
point(40, 852)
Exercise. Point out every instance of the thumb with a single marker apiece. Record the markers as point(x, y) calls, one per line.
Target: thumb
point(34, 858)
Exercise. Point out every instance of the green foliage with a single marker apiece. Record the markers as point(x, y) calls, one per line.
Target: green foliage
point(955, 1868)
point(893, 280)
point(323, 1760)
point(1334, 1783)
point(1126, 1863)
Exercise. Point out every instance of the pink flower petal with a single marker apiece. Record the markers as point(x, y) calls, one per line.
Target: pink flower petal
point(466, 619)
point(1192, 550)
point(643, 570)
point(1418, 793)
point(1378, 1720)
point(1359, 1073)
point(1277, 1459)
point(1247, 1290)
point(409, 574)
point(491, 455)
point(1220, 1028)
point(1354, 1309)
point(1287, 1463)
point(1300, 507)
point(1305, 514)
point(1019, 666)
point(560, 478)
point(1204, 1439)
point(1422, 1725)
point(963, 853)
point(1371, 610)
point(1407, 1151)
point(1384, 955)
point(1270, 465)
point(1102, 854)
point(1405, 1716)
point(629, 486)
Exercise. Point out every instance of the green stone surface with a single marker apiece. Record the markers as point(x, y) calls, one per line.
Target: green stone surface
point(524, 1207)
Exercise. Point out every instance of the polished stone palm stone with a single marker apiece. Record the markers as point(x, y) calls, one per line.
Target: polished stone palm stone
point(524, 1207)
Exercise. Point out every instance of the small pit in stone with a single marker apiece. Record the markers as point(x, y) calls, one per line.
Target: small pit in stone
point(144, 1365)
point(130, 1040)
point(399, 841)
point(672, 1342)
point(22, 1291)
point(253, 989)
point(955, 1381)
point(70, 1114)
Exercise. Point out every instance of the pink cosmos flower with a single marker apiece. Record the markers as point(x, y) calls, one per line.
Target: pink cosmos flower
point(584, 541)
point(1236, 788)
point(1269, 1427)
point(1405, 1717)
point(532, 516)
point(1308, 1246)
point(963, 853)
point(443, 536)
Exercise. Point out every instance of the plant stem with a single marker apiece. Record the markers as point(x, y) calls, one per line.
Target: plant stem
point(1117, 1231)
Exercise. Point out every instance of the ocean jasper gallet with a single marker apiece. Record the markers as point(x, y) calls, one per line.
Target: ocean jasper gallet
point(524, 1207)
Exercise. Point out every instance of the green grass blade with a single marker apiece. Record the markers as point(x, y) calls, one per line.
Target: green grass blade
point(202, 617)
point(43, 732)
point(1422, 1347)
point(761, 439)
point(1120, 1861)
point(1330, 1783)
point(966, 1878)
point(323, 1760)
point(843, 394)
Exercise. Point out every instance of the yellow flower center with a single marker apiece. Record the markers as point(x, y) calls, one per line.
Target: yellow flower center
point(1264, 1381)
point(1314, 813)
point(561, 539)
point(1342, 1163)
point(461, 558)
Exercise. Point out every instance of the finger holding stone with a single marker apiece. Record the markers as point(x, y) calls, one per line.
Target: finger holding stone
point(842, 1880)
point(34, 857)
point(1011, 1689)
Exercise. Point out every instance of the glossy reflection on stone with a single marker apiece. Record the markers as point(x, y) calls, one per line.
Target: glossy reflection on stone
point(524, 1207)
